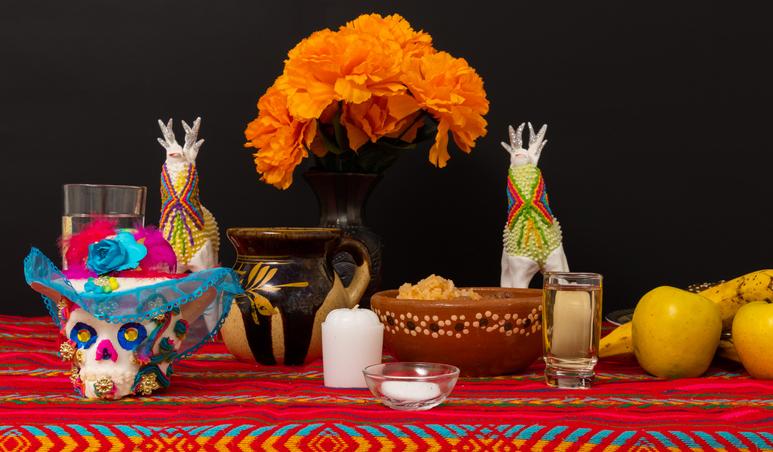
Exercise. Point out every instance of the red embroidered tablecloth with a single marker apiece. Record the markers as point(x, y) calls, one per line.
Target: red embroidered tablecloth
point(216, 402)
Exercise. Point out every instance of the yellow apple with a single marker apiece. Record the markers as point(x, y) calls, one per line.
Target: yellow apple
point(753, 338)
point(675, 332)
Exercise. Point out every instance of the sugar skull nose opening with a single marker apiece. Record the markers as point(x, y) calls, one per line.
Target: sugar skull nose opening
point(105, 351)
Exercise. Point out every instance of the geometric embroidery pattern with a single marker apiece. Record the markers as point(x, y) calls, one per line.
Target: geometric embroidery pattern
point(184, 204)
point(216, 403)
point(525, 203)
point(514, 201)
point(540, 200)
point(328, 437)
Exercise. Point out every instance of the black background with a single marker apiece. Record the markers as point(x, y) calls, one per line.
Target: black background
point(658, 163)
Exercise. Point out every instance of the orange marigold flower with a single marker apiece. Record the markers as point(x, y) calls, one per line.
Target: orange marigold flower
point(378, 117)
point(377, 76)
point(281, 140)
point(332, 66)
point(395, 28)
point(453, 93)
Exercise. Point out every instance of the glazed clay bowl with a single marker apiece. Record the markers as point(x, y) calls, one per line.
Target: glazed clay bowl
point(499, 334)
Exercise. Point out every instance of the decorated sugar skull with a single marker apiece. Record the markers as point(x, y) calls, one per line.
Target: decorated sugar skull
point(113, 360)
point(124, 318)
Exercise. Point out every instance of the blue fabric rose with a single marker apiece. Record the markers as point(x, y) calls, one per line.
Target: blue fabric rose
point(116, 254)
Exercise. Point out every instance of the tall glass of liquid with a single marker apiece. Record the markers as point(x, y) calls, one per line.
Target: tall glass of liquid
point(83, 203)
point(571, 326)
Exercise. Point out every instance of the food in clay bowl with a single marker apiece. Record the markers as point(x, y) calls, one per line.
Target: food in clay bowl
point(482, 331)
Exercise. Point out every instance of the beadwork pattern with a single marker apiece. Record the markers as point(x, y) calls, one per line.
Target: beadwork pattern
point(185, 223)
point(531, 230)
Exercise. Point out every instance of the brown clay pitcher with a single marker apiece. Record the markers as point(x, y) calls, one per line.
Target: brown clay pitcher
point(290, 287)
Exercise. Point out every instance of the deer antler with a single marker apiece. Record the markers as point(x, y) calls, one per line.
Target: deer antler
point(191, 146)
point(166, 130)
point(537, 142)
point(516, 140)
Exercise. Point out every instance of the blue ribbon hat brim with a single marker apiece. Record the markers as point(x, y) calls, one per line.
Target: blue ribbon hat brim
point(193, 295)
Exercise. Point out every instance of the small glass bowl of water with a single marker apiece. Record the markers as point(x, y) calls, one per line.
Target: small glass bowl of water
point(411, 386)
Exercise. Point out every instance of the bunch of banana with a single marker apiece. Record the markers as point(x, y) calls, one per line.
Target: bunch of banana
point(727, 350)
point(729, 297)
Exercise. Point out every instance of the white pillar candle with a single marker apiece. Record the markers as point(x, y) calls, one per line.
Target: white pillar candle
point(572, 314)
point(410, 391)
point(351, 341)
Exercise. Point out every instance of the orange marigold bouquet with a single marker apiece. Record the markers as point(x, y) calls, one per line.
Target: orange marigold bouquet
point(358, 97)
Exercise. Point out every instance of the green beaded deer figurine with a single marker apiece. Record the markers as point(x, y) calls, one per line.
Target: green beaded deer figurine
point(532, 235)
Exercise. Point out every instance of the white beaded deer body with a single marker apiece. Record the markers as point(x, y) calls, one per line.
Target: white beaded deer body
point(532, 235)
point(188, 226)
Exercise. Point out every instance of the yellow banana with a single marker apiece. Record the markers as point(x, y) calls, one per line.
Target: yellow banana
point(727, 350)
point(729, 297)
point(618, 342)
point(733, 294)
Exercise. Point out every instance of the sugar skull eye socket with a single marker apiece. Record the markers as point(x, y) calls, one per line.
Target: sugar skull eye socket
point(130, 335)
point(83, 335)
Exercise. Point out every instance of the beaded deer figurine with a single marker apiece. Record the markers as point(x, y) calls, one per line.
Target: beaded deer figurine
point(532, 235)
point(186, 224)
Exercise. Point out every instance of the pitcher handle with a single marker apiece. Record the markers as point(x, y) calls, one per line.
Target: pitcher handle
point(361, 279)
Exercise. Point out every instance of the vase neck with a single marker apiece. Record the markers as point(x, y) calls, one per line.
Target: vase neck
point(274, 243)
point(341, 196)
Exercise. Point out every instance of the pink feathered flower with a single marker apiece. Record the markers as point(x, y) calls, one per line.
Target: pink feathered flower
point(161, 256)
point(160, 260)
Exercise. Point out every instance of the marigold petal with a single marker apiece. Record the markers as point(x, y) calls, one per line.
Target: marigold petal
point(280, 139)
point(393, 27)
point(409, 135)
point(350, 91)
point(357, 137)
point(438, 153)
point(453, 93)
point(306, 106)
point(309, 133)
point(354, 131)
point(402, 105)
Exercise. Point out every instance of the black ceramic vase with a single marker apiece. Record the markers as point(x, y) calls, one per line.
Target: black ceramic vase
point(290, 287)
point(342, 198)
